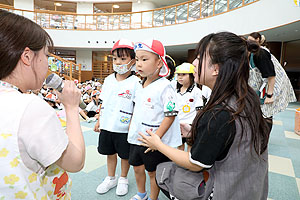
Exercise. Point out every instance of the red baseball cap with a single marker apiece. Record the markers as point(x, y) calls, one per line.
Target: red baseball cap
point(158, 48)
point(122, 43)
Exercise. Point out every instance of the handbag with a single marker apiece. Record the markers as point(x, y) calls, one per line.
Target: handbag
point(256, 81)
point(183, 184)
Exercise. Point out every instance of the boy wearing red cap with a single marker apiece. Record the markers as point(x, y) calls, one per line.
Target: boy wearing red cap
point(155, 109)
point(117, 95)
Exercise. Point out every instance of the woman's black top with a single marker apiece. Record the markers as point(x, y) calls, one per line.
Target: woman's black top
point(262, 60)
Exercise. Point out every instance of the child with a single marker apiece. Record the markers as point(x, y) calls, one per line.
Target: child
point(87, 96)
point(155, 109)
point(92, 109)
point(117, 95)
point(189, 96)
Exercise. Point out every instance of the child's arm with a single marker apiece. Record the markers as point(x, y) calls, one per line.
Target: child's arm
point(164, 126)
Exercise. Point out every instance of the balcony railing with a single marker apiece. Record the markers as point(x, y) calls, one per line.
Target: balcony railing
point(175, 14)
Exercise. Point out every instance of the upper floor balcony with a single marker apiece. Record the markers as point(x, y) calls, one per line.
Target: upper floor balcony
point(171, 15)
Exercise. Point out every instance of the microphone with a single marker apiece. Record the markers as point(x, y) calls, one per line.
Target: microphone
point(55, 82)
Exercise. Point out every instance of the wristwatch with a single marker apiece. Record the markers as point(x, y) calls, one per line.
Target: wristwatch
point(269, 95)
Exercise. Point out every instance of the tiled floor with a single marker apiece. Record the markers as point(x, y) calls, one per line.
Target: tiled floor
point(284, 164)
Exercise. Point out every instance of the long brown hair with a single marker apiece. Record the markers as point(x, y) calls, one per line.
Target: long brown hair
point(230, 52)
point(17, 33)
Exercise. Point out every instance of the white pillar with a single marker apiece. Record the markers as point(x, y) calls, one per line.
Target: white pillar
point(85, 8)
point(85, 58)
point(147, 16)
point(25, 5)
point(145, 5)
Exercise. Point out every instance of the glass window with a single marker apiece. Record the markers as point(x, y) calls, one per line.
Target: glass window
point(194, 10)
point(220, 6)
point(181, 15)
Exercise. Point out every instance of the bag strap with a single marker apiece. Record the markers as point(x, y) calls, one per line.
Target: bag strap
point(251, 60)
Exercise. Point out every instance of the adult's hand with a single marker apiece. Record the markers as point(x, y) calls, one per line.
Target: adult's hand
point(269, 100)
point(185, 129)
point(152, 141)
point(70, 96)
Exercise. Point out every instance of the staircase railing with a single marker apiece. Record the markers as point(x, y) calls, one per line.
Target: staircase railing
point(68, 69)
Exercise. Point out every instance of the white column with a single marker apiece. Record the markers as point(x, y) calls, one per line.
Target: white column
point(147, 16)
point(145, 5)
point(25, 5)
point(85, 8)
point(84, 57)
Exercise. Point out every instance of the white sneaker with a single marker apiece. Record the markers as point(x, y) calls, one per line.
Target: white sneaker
point(122, 187)
point(106, 185)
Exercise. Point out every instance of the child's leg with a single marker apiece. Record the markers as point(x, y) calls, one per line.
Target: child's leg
point(124, 168)
point(82, 113)
point(140, 178)
point(111, 164)
point(153, 185)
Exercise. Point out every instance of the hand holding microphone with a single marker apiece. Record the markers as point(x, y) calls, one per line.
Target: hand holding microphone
point(68, 93)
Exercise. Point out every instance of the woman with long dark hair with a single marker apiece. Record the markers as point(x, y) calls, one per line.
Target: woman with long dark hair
point(35, 152)
point(230, 135)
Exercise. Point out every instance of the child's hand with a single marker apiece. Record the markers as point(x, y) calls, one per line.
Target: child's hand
point(149, 141)
point(185, 129)
point(96, 127)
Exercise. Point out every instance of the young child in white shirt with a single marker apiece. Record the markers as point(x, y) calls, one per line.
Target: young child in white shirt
point(116, 110)
point(93, 108)
point(189, 96)
point(155, 109)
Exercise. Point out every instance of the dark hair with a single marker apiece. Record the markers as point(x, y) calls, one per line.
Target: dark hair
point(121, 52)
point(17, 33)
point(261, 39)
point(172, 66)
point(192, 81)
point(230, 52)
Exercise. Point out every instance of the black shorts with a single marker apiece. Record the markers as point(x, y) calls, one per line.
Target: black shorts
point(150, 160)
point(91, 114)
point(110, 143)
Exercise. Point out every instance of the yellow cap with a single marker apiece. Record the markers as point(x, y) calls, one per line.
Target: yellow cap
point(185, 68)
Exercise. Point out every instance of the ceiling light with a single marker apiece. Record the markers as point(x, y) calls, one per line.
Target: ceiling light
point(139, 1)
point(116, 6)
point(57, 4)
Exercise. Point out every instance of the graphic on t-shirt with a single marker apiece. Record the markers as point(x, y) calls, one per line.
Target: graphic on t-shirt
point(148, 103)
point(59, 184)
point(126, 94)
point(186, 108)
point(125, 120)
point(171, 106)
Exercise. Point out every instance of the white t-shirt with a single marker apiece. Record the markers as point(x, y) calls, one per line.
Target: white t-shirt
point(206, 92)
point(152, 104)
point(41, 139)
point(92, 107)
point(117, 103)
point(188, 103)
